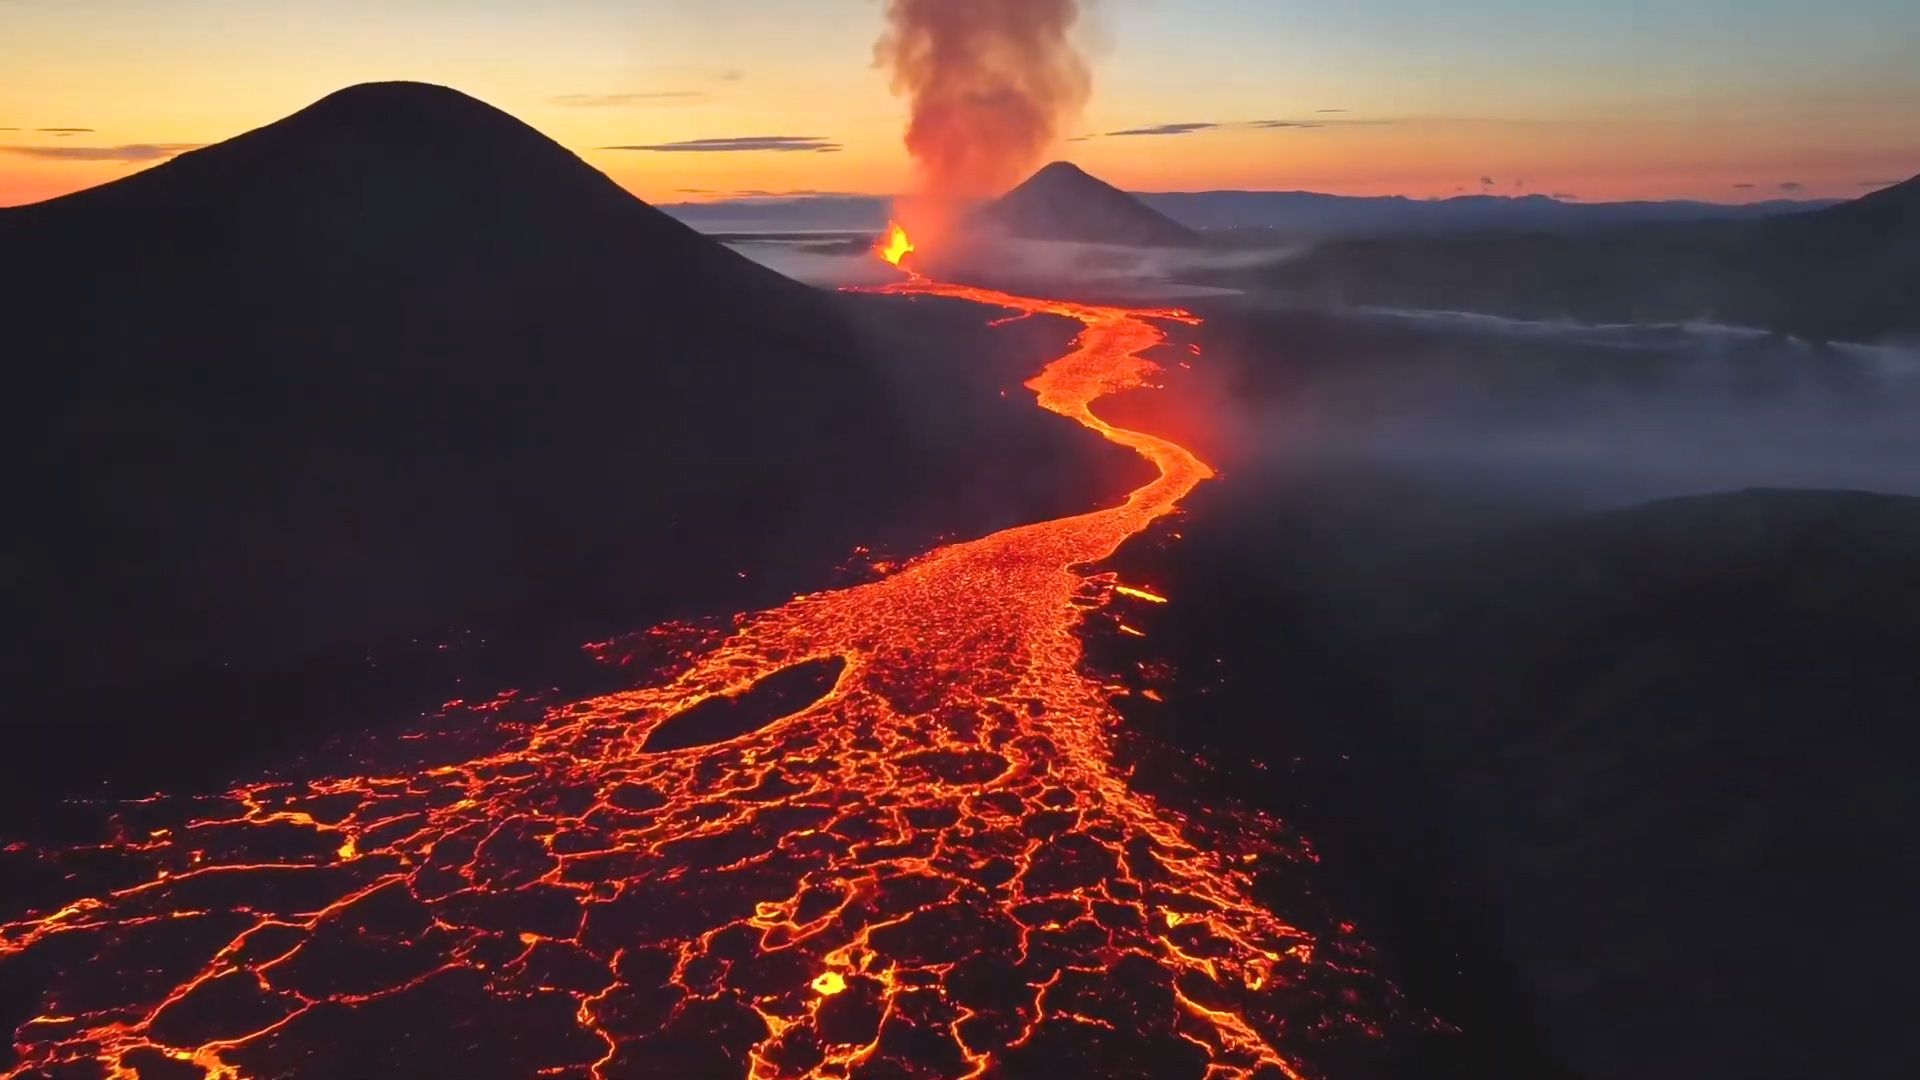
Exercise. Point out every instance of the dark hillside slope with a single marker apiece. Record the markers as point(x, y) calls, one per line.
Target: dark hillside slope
point(1633, 791)
point(394, 366)
point(1679, 738)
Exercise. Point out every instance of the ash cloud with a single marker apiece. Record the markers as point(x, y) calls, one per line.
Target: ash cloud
point(990, 86)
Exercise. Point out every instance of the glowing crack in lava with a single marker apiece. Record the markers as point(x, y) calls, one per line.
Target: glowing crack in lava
point(937, 868)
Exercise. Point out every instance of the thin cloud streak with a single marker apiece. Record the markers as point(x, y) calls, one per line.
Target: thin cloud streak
point(615, 101)
point(1166, 129)
point(129, 152)
point(761, 194)
point(1190, 127)
point(779, 144)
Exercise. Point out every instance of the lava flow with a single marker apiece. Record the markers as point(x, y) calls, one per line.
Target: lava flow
point(937, 868)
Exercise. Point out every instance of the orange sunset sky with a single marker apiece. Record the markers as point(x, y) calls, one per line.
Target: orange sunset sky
point(1706, 99)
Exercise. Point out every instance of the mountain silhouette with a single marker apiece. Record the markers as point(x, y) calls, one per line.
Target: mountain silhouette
point(1270, 216)
point(1253, 217)
point(1064, 202)
point(1903, 198)
point(1849, 272)
point(395, 364)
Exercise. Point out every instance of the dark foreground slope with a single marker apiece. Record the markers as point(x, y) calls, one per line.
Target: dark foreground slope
point(1626, 795)
point(395, 368)
point(1063, 202)
point(1679, 739)
point(1850, 272)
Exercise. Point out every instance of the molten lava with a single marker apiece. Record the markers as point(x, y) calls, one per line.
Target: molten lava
point(937, 868)
point(896, 246)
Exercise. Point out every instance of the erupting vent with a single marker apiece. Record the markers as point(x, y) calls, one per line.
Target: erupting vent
point(896, 245)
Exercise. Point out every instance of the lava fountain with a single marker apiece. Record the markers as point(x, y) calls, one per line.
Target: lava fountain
point(938, 868)
point(895, 246)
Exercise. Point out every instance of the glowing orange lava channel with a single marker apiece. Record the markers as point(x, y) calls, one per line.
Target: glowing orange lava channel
point(937, 869)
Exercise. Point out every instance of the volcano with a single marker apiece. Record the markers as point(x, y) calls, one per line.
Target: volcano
point(396, 363)
point(1064, 202)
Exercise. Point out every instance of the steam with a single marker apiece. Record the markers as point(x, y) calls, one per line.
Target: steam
point(991, 83)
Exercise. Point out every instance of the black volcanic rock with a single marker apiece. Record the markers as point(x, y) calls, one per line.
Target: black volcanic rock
point(1063, 202)
point(1678, 737)
point(1848, 273)
point(1902, 198)
point(1647, 775)
point(393, 366)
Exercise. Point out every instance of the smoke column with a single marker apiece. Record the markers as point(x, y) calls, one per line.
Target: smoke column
point(991, 83)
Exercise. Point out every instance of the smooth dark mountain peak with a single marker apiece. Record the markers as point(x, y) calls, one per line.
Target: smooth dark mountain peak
point(396, 180)
point(1905, 193)
point(398, 94)
point(395, 113)
point(371, 142)
point(356, 373)
point(1066, 178)
point(1065, 202)
point(1062, 169)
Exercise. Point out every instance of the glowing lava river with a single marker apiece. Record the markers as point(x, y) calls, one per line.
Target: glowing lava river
point(937, 868)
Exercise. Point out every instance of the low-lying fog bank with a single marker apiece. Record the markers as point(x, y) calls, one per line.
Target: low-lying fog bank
point(1111, 271)
point(1606, 414)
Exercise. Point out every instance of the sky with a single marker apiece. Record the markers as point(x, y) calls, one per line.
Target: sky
point(1727, 100)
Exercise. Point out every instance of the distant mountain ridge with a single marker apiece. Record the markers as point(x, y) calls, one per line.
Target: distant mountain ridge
point(1849, 272)
point(1312, 215)
point(1287, 215)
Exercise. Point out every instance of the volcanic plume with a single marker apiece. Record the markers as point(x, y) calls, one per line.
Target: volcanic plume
point(991, 82)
